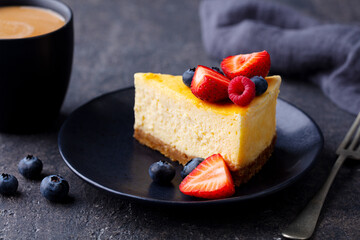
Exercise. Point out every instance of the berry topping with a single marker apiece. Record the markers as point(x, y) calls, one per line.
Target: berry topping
point(217, 69)
point(188, 76)
point(30, 167)
point(190, 166)
point(8, 184)
point(209, 85)
point(54, 188)
point(261, 85)
point(211, 179)
point(161, 172)
point(248, 65)
point(241, 91)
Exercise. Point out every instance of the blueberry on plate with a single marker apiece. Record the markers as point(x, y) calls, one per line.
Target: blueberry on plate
point(54, 188)
point(30, 167)
point(161, 172)
point(261, 85)
point(188, 76)
point(217, 69)
point(8, 184)
point(190, 166)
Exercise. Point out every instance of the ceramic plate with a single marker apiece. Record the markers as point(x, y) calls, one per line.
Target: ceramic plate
point(96, 142)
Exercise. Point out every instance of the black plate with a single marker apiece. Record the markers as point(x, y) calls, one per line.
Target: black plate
point(96, 143)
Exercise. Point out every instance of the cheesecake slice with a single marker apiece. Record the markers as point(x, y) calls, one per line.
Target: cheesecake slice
point(170, 119)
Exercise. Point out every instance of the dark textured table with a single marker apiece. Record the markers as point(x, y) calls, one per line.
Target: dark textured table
point(115, 39)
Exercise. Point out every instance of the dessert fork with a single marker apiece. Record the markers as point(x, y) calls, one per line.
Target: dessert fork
point(304, 224)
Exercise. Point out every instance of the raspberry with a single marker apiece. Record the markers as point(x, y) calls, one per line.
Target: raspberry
point(241, 90)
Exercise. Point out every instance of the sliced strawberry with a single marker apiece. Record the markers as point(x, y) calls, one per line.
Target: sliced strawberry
point(248, 65)
point(211, 179)
point(209, 85)
point(241, 90)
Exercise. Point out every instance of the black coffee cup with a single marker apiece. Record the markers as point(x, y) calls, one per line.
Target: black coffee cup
point(35, 73)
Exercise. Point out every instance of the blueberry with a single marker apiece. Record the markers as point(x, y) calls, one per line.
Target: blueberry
point(261, 85)
point(54, 188)
point(190, 166)
point(188, 76)
point(161, 172)
point(217, 69)
point(30, 167)
point(8, 184)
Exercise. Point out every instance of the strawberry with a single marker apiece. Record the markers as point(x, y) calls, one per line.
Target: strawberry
point(241, 90)
point(209, 85)
point(211, 179)
point(248, 65)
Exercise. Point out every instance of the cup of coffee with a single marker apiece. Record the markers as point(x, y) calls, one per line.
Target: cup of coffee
point(36, 52)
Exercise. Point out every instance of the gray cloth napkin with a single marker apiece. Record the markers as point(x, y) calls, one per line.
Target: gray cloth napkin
point(300, 46)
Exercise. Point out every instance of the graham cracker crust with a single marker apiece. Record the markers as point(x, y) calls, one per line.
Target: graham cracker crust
point(167, 150)
point(241, 176)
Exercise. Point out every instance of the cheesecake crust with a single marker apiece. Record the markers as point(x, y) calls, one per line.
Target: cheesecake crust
point(156, 144)
point(241, 176)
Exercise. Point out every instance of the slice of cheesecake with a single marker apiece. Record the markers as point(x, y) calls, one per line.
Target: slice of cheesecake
point(170, 119)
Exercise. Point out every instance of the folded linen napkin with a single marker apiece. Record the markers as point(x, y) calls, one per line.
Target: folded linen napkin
point(327, 54)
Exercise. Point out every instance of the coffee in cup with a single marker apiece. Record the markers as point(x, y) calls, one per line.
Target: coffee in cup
point(24, 21)
point(35, 66)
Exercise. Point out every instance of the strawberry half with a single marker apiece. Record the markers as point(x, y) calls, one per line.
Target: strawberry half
point(211, 179)
point(209, 85)
point(248, 65)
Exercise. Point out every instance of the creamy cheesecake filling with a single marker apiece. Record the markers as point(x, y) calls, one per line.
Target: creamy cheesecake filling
point(179, 123)
point(166, 109)
point(258, 128)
